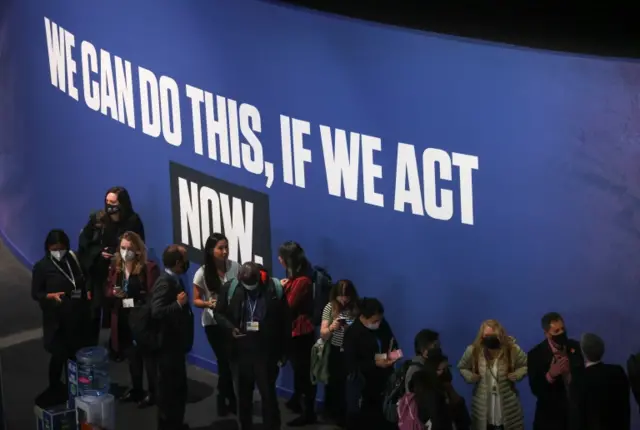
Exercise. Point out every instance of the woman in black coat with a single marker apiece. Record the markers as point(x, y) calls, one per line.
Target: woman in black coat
point(98, 243)
point(58, 285)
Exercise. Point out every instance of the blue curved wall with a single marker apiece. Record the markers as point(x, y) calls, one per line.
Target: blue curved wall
point(480, 181)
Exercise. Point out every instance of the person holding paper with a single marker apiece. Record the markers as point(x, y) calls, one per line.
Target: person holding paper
point(370, 351)
point(131, 278)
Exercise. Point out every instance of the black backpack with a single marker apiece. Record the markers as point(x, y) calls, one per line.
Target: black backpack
point(321, 290)
point(396, 388)
point(633, 371)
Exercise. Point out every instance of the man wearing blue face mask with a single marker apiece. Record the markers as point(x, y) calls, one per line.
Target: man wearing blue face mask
point(172, 313)
point(254, 310)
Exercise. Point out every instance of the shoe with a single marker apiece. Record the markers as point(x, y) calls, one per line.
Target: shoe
point(293, 404)
point(148, 401)
point(131, 396)
point(303, 420)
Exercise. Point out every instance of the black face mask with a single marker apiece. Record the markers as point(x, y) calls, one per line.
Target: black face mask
point(560, 339)
point(434, 354)
point(446, 376)
point(491, 342)
point(112, 209)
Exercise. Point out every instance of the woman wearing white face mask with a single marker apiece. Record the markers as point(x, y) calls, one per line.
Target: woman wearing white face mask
point(131, 278)
point(59, 286)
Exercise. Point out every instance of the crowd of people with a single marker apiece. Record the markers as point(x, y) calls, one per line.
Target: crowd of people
point(256, 323)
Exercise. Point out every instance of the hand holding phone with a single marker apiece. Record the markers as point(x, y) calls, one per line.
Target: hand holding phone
point(395, 355)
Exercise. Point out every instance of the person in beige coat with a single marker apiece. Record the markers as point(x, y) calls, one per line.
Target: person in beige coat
point(494, 363)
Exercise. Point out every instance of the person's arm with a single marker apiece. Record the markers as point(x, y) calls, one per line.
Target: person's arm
point(153, 273)
point(223, 308)
point(136, 226)
point(38, 284)
point(285, 324)
point(353, 359)
point(298, 293)
point(539, 378)
point(163, 303)
point(519, 363)
point(393, 344)
point(325, 327)
point(198, 290)
point(465, 366)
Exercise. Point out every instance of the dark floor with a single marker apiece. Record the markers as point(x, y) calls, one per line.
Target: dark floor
point(24, 365)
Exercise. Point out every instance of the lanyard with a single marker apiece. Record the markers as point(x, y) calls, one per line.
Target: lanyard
point(252, 309)
point(69, 276)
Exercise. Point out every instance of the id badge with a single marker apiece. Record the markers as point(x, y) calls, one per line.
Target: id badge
point(76, 294)
point(127, 303)
point(380, 357)
point(253, 326)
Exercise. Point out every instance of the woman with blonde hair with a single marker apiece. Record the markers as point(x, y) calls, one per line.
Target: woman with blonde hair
point(131, 279)
point(494, 363)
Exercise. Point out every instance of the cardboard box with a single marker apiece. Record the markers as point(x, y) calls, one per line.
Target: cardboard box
point(56, 418)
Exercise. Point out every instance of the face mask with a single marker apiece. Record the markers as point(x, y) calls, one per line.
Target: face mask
point(58, 255)
point(434, 354)
point(491, 342)
point(373, 326)
point(250, 287)
point(560, 339)
point(112, 209)
point(127, 254)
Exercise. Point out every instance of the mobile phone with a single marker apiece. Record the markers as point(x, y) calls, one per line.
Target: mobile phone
point(342, 321)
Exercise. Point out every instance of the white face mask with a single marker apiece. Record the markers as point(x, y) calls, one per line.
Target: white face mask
point(374, 326)
point(250, 287)
point(58, 255)
point(127, 254)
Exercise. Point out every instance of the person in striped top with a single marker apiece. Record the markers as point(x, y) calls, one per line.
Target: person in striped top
point(337, 316)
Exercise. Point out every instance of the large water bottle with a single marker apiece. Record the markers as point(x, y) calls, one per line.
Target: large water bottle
point(93, 371)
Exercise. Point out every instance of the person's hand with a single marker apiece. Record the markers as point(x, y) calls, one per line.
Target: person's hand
point(284, 281)
point(384, 363)
point(182, 298)
point(211, 304)
point(55, 296)
point(120, 294)
point(106, 255)
point(335, 325)
point(475, 377)
point(513, 377)
point(236, 333)
point(558, 367)
point(89, 295)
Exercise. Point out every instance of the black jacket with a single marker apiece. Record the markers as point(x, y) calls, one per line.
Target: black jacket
point(553, 403)
point(360, 347)
point(602, 399)
point(174, 322)
point(92, 241)
point(62, 323)
point(275, 328)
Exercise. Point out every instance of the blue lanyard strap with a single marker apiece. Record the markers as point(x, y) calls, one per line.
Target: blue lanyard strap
point(252, 308)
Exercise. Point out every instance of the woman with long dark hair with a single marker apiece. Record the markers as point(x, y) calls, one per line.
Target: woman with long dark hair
point(338, 315)
point(58, 285)
point(98, 243)
point(207, 283)
point(298, 288)
point(131, 279)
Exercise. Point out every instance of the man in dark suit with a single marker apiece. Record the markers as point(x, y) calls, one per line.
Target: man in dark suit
point(602, 394)
point(170, 309)
point(554, 365)
point(255, 312)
